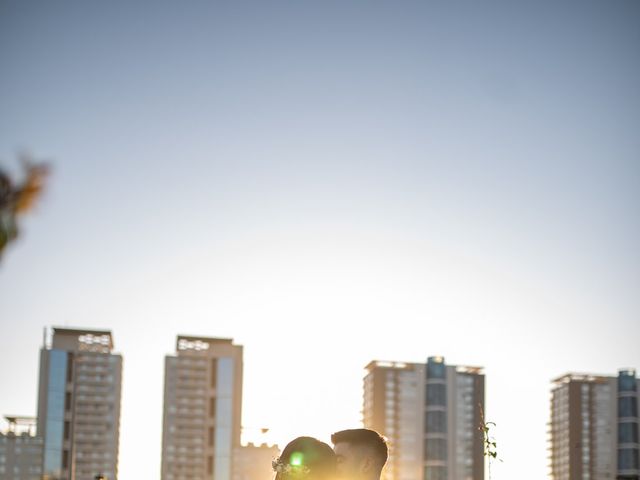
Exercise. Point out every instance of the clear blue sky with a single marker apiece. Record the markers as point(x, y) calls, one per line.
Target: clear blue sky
point(328, 183)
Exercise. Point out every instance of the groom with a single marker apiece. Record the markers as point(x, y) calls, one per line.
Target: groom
point(361, 453)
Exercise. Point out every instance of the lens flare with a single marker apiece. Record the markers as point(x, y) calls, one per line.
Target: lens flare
point(296, 459)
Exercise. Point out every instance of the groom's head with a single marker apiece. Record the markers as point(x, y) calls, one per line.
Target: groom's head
point(361, 453)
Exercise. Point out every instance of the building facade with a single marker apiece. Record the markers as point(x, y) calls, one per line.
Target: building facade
point(253, 462)
point(202, 409)
point(79, 405)
point(431, 414)
point(20, 450)
point(593, 432)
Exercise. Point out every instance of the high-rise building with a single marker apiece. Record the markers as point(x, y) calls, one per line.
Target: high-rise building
point(593, 432)
point(202, 409)
point(20, 450)
point(431, 414)
point(79, 405)
point(393, 406)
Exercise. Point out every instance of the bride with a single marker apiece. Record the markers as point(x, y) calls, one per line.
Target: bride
point(305, 458)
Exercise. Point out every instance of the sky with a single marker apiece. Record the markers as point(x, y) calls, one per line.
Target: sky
point(327, 183)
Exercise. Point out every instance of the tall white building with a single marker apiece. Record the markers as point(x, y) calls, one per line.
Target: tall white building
point(202, 409)
point(79, 405)
point(593, 432)
point(431, 414)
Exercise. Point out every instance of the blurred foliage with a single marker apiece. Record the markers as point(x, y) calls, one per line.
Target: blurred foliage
point(18, 197)
point(489, 442)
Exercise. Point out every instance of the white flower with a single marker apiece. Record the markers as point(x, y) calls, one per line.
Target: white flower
point(289, 470)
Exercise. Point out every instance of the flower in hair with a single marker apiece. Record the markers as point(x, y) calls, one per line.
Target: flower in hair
point(295, 467)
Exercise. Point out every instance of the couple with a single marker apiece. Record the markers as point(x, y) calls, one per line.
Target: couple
point(357, 454)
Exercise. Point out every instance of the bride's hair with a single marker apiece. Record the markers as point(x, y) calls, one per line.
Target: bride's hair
point(309, 452)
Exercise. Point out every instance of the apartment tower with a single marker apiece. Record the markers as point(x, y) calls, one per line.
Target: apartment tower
point(202, 409)
point(79, 405)
point(593, 432)
point(431, 414)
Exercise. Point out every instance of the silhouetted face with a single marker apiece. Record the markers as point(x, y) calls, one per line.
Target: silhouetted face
point(353, 461)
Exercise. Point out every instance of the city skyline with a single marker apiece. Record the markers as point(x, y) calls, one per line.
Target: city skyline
point(326, 183)
point(198, 348)
point(593, 418)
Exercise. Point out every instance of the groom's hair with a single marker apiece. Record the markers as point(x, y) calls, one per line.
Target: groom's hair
point(370, 439)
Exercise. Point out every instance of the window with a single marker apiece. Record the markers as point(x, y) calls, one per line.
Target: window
point(436, 394)
point(436, 449)
point(54, 428)
point(627, 407)
point(70, 368)
point(628, 433)
point(626, 382)
point(435, 473)
point(627, 459)
point(212, 407)
point(214, 371)
point(436, 422)
point(435, 369)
